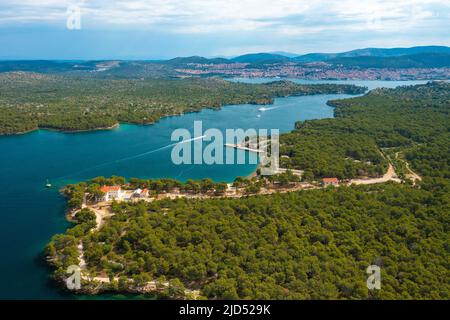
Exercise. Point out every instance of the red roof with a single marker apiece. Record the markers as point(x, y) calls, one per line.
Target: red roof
point(109, 188)
point(330, 180)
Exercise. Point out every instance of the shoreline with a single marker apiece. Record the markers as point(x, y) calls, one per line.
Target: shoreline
point(114, 126)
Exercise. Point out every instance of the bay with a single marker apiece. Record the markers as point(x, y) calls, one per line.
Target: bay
point(30, 214)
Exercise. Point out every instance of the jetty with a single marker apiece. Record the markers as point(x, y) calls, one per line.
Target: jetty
point(238, 146)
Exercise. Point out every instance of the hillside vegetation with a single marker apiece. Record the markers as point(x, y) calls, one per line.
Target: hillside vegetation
point(412, 119)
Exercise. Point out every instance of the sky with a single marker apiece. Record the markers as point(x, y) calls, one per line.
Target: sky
point(160, 29)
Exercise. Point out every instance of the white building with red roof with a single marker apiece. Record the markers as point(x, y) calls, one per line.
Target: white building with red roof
point(112, 193)
point(144, 193)
point(140, 193)
point(330, 182)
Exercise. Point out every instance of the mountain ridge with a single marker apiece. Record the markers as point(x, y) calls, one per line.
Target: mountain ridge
point(425, 57)
point(380, 52)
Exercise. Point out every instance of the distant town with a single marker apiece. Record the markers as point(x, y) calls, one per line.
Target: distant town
point(314, 71)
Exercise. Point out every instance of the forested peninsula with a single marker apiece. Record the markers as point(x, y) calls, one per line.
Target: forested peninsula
point(308, 244)
point(31, 101)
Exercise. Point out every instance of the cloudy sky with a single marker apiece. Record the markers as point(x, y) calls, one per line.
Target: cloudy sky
point(149, 29)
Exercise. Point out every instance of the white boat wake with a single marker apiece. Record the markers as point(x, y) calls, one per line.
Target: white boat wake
point(267, 109)
point(131, 157)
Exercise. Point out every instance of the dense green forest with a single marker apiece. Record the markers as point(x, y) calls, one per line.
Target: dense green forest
point(412, 119)
point(311, 244)
point(31, 101)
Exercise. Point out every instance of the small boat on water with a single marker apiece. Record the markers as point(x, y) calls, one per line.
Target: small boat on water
point(48, 184)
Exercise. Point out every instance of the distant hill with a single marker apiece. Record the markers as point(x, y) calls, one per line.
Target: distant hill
point(286, 54)
point(370, 52)
point(48, 66)
point(434, 52)
point(315, 57)
point(394, 52)
point(196, 59)
point(42, 66)
point(261, 58)
point(421, 60)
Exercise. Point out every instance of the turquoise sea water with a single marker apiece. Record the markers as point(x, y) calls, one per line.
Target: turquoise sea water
point(31, 214)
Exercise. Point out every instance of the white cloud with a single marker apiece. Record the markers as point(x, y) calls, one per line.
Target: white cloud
point(286, 17)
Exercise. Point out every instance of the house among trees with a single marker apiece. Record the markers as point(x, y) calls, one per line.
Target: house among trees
point(140, 193)
point(111, 193)
point(330, 182)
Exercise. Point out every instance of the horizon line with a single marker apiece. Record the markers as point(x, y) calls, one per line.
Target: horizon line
point(280, 53)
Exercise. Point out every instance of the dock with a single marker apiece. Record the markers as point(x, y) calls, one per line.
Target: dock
point(237, 146)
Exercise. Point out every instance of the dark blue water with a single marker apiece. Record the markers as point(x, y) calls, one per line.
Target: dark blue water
point(31, 214)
